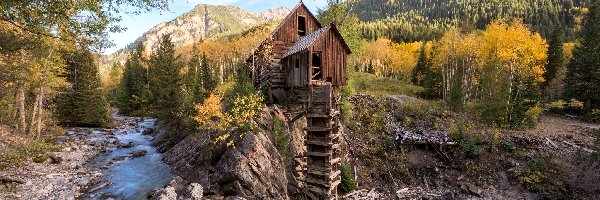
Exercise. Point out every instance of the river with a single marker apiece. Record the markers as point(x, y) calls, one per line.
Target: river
point(133, 177)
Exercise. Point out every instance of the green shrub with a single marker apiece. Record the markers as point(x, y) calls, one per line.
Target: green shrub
point(557, 106)
point(347, 184)
point(381, 152)
point(519, 154)
point(282, 139)
point(594, 115)
point(470, 149)
point(508, 145)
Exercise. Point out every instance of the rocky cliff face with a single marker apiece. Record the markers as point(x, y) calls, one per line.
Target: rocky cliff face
point(253, 169)
point(203, 22)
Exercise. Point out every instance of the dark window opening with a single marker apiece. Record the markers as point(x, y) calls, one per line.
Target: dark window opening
point(316, 59)
point(317, 70)
point(301, 25)
point(329, 79)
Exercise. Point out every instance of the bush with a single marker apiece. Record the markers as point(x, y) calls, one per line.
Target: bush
point(347, 184)
point(594, 115)
point(282, 139)
point(575, 104)
point(470, 149)
point(532, 116)
point(557, 106)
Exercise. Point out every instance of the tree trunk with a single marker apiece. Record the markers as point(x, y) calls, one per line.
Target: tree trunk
point(20, 103)
point(33, 112)
point(41, 112)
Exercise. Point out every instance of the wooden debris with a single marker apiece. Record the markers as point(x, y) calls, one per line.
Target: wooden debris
point(579, 147)
point(551, 143)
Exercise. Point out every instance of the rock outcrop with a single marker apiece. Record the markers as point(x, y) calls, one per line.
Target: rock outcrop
point(252, 169)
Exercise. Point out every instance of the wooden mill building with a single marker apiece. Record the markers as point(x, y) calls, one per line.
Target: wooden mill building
point(303, 65)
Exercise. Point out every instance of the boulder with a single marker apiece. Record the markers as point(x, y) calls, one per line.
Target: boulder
point(119, 158)
point(193, 191)
point(126, 145)
point(148, 131)
point(167, 193)
point(138, 153)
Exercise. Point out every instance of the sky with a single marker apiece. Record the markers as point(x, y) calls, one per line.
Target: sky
point(138, 24)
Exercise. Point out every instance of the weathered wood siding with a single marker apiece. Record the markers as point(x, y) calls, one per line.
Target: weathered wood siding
point(334, 55)
point(297, 77)
point(288, 30)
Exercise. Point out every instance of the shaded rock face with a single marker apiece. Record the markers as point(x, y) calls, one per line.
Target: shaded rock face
point(252, 169)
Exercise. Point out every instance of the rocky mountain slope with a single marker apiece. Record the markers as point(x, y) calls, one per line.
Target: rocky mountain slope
point(202, 22)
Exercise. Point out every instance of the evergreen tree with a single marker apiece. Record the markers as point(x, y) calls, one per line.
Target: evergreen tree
point(193, 79)
point(556, 57)
point(134, 95)
point(171, 103)
point(420, 71)
point(209, 82)
point(583, 72)
point(84, 103)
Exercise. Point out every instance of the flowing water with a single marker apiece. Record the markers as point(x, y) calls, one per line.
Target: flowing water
point(132, 178)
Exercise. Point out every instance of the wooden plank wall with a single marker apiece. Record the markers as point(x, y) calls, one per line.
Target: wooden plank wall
point(288, 31)
point(333, 55)
point(297, 77)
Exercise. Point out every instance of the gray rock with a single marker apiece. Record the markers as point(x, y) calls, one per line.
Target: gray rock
point(168, 193)
point(471, 189)
point(126, 145)
point(119, 158)
point(194, 191)
point(139, 153)
point(148, 131)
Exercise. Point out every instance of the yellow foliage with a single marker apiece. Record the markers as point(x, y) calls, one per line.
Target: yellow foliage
point(209, 113)
point(388, 59)
point(521, 50)
point(574, 103)
point(244, 110)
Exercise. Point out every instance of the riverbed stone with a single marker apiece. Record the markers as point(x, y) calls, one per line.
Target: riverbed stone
point(139, 153)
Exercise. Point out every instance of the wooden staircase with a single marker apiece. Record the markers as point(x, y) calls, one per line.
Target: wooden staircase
point(322, 142)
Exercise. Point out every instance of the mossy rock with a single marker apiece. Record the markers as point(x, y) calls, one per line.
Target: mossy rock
point(40, 158)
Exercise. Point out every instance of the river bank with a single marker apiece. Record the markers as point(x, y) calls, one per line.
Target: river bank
point(93, 163)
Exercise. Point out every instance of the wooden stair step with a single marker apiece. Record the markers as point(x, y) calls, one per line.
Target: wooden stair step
point(318, 129)
point(319, 154)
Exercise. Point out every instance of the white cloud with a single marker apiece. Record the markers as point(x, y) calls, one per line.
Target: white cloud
point(212, 2)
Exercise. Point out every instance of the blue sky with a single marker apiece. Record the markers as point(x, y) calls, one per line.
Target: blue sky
point(138, 24)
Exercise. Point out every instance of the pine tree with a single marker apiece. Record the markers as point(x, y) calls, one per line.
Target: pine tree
point(83, 104)
point(583, 72)
point(556, 57)
point(193, 79)
point(167, 84)
point(420, 71)
point(134, 95)
point(209, 82)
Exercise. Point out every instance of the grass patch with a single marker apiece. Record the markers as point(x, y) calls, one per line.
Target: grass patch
point(19, 155)
point(366, 83)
